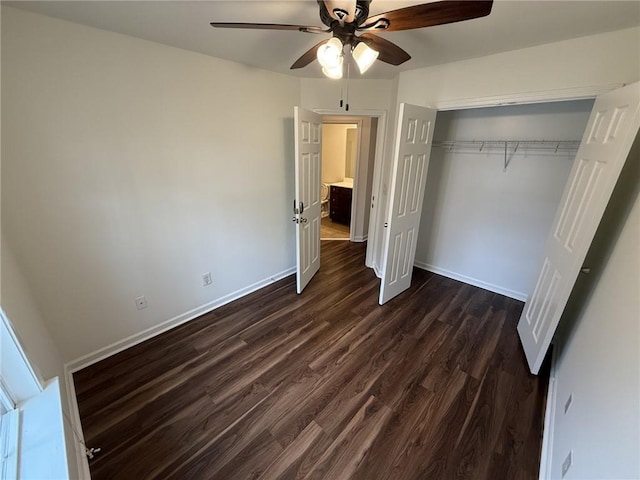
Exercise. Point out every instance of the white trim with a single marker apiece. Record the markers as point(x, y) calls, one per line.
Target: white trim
point(6, 400)
point(81, 458)
point(359, 238)
point(120, 345)
point(9, 444)
point(472, 281)
point(357, 181)
point(30, 382)
point(564, 94)
point(546, 453)
point(377, 270)
point(378, 165)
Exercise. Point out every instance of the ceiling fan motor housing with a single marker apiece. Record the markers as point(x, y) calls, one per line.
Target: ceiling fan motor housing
point(336, 16)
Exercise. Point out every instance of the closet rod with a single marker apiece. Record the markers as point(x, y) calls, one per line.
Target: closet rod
point(540, 145)
point(510, 146)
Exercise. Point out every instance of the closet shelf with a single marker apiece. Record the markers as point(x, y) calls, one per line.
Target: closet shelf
point(554, 146)
point(510, 147)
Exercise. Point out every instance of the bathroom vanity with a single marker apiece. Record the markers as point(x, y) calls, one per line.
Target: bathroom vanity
point(340, 196)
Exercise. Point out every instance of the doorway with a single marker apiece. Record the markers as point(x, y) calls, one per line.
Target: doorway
point(348, 158)
point(308, 167)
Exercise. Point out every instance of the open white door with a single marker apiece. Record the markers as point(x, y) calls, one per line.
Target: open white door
point(408, 180)
point(610, 132)
point(306, 206)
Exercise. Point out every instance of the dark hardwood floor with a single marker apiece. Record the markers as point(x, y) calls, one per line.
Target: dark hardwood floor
point(324, 385)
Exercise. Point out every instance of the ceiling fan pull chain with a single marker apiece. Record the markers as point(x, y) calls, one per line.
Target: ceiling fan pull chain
point(347, 104)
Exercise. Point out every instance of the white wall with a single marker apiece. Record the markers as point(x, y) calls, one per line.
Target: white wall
point(364, 94)
point(30, 326)
point(364, 180)
point(334, 151)
point(0, 164)
point(130, 168)
point(607, 58)
point(351, 152)
point(598, 359)
point(23, 312)
point(486, 226)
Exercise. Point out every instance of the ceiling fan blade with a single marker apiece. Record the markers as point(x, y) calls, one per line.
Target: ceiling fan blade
point(428, 15)
point(388, 52)
point(308, 56)
point(269, 26)
point(341, 10)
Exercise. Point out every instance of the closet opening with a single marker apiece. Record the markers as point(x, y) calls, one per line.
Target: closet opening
point(495, 180)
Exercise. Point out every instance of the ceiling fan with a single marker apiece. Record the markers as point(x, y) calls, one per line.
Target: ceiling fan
point(351, 27)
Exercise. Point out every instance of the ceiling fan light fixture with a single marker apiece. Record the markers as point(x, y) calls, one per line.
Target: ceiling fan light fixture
point(364, 56)
point(330, 54)
point(333, 72)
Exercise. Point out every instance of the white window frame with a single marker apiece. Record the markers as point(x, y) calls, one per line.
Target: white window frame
point(15, 369)
point(9, 434)
point(18, 383)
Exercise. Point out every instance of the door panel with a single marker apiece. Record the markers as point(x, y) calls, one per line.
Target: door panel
point(610, 132)
point(306, 206)
point(409, 177)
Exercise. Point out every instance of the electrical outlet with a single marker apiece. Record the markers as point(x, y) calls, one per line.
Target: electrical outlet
point(566, 465)
point(206, 279)
point(568, 403)
point(141, 302)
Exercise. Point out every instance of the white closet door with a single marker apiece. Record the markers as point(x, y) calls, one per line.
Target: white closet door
point(610, 132)
point(409, 178)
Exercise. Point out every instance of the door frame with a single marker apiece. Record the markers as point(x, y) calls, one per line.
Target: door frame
point(526, 98)
point(358, 122)
point(377, 213)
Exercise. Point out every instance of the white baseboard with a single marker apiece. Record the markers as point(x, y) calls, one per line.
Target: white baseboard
point(102, 353)
point(377, 270)
point(473, 281)
point(120, 345)
point(360, 238)
point(549, 415)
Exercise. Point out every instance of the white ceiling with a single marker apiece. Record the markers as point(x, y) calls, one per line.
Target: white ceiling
point(185, 24)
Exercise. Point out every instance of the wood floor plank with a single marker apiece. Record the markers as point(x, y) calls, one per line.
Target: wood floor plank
point(342, 457)
point(482, 427)
point(324, 385)
point(433, 436)
point(400, 433)
point(288, 463)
